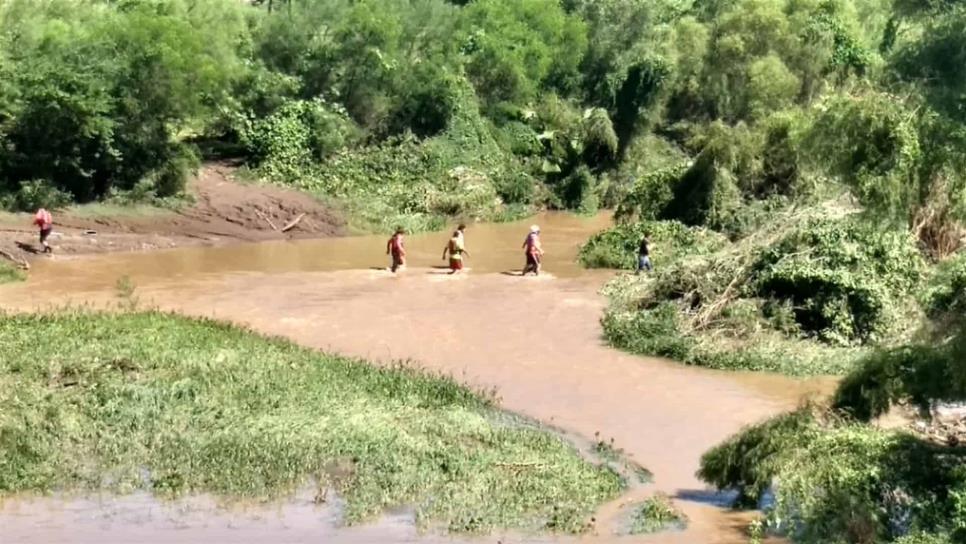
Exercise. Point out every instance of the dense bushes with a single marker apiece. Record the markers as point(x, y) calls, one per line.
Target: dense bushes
point(97, 95)
point(839, 482)
point(846, 280)
point(741, 106)
point(803, 296)
point(945, 296)
point(617, 247)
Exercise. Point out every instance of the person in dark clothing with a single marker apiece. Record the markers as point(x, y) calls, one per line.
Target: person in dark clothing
point(644, 255)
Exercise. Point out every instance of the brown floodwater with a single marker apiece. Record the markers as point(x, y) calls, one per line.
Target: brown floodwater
point(536, 341)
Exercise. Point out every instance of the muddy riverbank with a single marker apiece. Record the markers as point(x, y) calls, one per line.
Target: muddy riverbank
point(223, 211)
point(535, 341)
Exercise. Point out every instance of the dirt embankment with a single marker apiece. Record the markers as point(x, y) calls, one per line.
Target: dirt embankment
point(224, 211)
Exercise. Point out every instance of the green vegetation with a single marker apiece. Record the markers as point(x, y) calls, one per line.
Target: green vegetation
point(712, 114)
point(656, 514)
point(843, 482)
point(10, 273)
point(838, 478)
point(823, 139)
point(671, 240)
point(807, 293)
point(175, 406)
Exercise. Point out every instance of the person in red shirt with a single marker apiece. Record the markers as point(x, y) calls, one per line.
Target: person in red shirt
point(396, 248)
point(45, 222)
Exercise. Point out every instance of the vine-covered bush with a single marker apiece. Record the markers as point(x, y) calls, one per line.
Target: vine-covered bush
point(945, 296)
point(296, 136)
point(617, 247)
point(875, 486)
point(848, 281)
point(804, 295)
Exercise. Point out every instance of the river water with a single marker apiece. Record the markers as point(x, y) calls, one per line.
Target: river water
point(536, 341)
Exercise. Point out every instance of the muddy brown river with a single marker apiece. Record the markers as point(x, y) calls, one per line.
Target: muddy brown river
point(536, 341)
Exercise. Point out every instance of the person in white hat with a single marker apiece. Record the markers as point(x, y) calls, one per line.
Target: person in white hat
point(533, 251)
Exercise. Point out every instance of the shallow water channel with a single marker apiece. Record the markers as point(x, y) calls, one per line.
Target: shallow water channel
point(536, 341)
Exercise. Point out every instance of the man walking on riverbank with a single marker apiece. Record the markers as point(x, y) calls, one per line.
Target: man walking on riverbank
point(45, 222)
point(397, 250)
point(644, 255)
point(533, 251)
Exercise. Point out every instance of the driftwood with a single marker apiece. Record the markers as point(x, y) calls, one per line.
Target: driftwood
point(267, 220)
point(293, 222)
point(19, 262)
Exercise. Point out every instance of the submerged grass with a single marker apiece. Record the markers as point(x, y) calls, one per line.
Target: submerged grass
point(172, 405)
point(656, 514)
point(10, 273)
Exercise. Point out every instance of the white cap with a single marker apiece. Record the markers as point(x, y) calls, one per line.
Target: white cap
point(534, 228)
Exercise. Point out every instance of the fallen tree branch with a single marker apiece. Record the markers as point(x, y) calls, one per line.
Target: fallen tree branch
point(267, 220)
point(292, 223)
point(23, 264)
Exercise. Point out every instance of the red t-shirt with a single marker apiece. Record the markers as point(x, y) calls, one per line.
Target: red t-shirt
point(43, 219)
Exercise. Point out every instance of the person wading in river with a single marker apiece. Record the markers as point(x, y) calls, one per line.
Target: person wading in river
point(533, 251)
point(45, 222)
point(397, 250)
point(644, 255)
point(456, 251)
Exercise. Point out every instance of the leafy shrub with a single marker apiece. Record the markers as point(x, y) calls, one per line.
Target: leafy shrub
point(846, 279)
point(515, 187)
point(749, 461)
point(653, 332)
point(103, 91)
point(925, 538)
point(918, 372)
point(840, 483)
point(38, 194)
point(296, 136)
point(650, 194)
point(945, 296)
point(617, 247)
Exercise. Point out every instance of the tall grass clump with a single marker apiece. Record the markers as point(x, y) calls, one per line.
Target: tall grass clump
point(178, 406)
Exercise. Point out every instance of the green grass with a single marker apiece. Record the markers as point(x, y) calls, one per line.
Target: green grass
point(656, 514)
point(175, 406)
point(10, 273)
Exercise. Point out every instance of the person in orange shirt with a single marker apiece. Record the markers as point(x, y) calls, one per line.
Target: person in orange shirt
point(45, 222)
point(397, 250)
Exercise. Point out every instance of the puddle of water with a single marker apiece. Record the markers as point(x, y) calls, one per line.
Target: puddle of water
point(536, 341)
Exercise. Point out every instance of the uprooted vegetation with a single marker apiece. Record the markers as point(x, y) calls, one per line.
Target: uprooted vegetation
point(805, 294)
point(832, 476)
point(836, 481)
point(177, 406)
